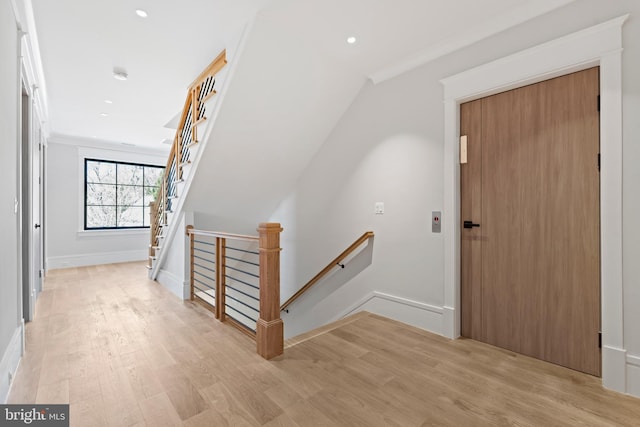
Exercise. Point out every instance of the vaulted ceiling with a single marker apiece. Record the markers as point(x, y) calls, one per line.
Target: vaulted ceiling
point(81, 42)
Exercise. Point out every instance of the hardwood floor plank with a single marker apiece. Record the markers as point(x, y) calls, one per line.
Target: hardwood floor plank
point(53, 393)
point(306, 415)
point(81, 388)
point(123, 351)
point(184, 396)
point(88, 412)
point(282, 421)
point(226, 406)
point(158, 411)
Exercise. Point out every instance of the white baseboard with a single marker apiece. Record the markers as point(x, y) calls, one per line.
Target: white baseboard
point(614, 367)
point(10, 361)
point(633, 375)
point(174, 284)
point(414, 313)
point(82, 260)
point(450, 323)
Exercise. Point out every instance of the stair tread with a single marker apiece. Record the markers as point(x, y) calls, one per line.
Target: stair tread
point(202, 120)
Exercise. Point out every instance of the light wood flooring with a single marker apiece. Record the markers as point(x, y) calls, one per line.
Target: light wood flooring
point(123, 351)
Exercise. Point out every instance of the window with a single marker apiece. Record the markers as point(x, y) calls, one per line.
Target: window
point(117, 194)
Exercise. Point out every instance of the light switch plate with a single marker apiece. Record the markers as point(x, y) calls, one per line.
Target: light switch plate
point(379, 208)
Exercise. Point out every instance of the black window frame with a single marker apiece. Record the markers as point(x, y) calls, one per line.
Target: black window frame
point(116, 162)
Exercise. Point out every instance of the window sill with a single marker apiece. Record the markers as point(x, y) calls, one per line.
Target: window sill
point(113, 233)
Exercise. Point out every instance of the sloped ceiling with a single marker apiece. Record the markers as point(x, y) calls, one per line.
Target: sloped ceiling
point(82, 41)
point(295, 79)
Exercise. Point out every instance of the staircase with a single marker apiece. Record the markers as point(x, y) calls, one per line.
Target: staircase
point(199, 106)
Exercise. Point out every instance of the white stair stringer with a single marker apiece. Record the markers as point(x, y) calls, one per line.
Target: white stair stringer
point(212, 108)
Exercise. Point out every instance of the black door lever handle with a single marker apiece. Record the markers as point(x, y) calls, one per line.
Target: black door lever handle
point(470, 224)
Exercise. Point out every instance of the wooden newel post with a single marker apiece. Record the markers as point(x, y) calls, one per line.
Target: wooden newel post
point(270, 328)
point(221, 284)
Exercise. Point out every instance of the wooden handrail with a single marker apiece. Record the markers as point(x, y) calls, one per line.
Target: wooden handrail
point(211, 70)
point(366, 236)
point(223, 235)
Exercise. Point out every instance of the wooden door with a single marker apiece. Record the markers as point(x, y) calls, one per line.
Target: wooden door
point(530, 272)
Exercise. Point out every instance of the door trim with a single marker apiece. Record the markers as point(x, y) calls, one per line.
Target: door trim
point(600, 45)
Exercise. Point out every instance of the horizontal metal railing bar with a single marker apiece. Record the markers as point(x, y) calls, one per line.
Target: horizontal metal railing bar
point(204, 284)
point(242, 327)
point(202, 266)
point(205, 291)
point(243, 260)
point(204, 243)
point(204, 275)
point(239, 312)
point(243, 293)
point(204, 259)
point(241, 281)
point(242, 250)
point(206, 302)
point(229, 236)
point(243, 303)
point(242, 271)
point(202, 250)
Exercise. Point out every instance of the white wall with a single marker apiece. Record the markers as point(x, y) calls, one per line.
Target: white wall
point(389, 147)
point(10, 306)
point(386, 148)
point(174, 273)
point(68, 245)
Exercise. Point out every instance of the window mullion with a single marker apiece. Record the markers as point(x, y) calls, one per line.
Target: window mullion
point(117, 167)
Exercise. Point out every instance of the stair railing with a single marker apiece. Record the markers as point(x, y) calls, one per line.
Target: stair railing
point(153, 225)
point(193, 114)
point(237, 277)
point(337, 262)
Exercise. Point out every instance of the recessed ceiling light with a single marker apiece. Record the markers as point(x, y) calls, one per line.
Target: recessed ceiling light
point(351, 39)
point(104, 114)
point(108, 101)
point(141, 13)
point(120, 74)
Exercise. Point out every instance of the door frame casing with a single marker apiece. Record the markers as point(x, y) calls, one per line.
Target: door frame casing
point(600, 45)
point(26, 199)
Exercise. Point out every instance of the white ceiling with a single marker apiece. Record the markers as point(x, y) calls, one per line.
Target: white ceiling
point(82, 41)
